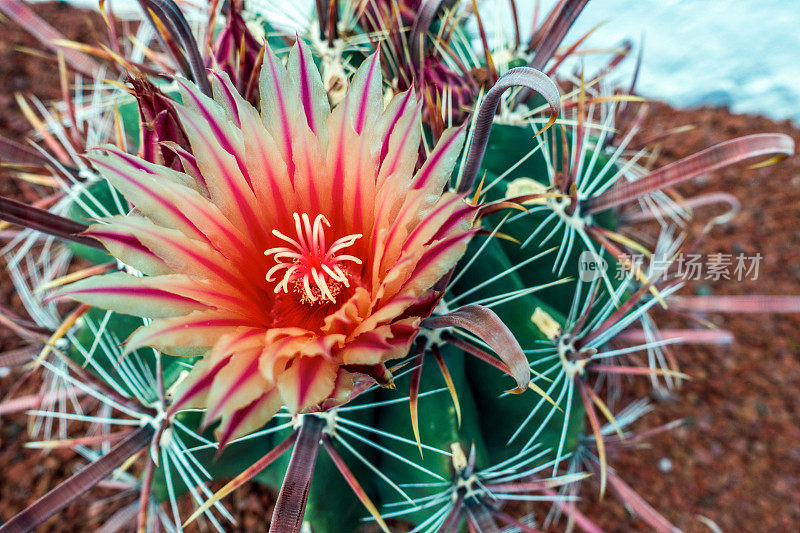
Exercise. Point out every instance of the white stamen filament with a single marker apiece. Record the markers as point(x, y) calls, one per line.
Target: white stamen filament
point(307, 260)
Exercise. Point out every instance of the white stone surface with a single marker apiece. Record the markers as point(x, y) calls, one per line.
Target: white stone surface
point(740, 53)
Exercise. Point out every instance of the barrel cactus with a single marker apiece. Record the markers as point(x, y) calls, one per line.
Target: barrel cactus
point(352, 260)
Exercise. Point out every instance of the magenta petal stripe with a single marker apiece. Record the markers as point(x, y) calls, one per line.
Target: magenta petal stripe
point(313, 98)
point(441, 159)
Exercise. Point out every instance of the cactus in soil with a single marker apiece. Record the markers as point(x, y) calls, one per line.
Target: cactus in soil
point(351, 277)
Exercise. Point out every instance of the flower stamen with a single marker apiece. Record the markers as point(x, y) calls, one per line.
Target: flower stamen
point(313, 270)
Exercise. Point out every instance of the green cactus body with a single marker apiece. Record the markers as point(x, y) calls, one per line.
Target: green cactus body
point(438, 428)
point(501, 414)
point(116, 327)
point(506, 148)
point(233, 460)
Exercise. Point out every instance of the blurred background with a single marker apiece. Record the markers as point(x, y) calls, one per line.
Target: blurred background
point(744, 54)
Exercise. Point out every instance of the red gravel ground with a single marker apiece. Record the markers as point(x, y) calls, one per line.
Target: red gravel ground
point(736, 460)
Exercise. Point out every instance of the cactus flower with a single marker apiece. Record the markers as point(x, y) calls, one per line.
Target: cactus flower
point(297, 252)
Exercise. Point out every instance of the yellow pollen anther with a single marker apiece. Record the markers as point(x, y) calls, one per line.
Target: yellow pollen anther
point(312, 269)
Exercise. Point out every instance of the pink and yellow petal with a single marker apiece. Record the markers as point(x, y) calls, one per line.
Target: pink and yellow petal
point(381, 344)
point(221, 164)
point(180, 253)
point(174, 206)
point(200, 329)
point(438, 167)
point(151, 297)
point(306, 82)
point(365, 95)
point(193, 390)
point(249, 418)
point(307, 383)
point(438, 259)
point(279, 111)
point(342, 390)
point(400, 138)
point(236, 385)
point(122, 244)
point(271, 183)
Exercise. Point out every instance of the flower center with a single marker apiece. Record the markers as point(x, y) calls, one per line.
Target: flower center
point(315, 272)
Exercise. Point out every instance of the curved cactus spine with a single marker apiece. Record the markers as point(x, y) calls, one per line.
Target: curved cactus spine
point(291, 505)
point(518, 77)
